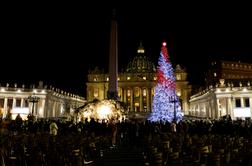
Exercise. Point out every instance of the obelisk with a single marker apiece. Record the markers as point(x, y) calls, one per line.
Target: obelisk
point(113, 60)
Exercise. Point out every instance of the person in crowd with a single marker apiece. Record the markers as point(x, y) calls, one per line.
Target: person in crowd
point(53, 128)
point(19, 122)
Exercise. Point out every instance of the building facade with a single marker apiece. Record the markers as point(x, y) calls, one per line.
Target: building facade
point(227, 70)
point(136, 84)
point(228, 92)
point(41, 101)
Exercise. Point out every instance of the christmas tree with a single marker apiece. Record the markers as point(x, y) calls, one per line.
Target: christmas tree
point(166, 105)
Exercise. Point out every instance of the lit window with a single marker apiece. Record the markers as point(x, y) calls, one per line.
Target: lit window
point(128, 92)
point(96, 92)
point(140, 51)
point(144, 78)
point(215, 74)
point(144, 92)
point(155, 78)
point(118, 79)
point(179, 92)
point(95, 79)
point(136, 92)
point(107, 79)
point(178, 77)
point(128, 78)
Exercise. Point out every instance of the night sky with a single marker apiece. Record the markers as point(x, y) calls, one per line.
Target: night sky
point(59, 44)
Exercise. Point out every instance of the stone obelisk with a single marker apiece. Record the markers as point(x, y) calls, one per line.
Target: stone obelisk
point(113, 60)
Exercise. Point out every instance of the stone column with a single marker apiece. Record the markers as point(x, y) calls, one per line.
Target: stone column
point(125, 95)
point(242, 102)
point(41, 111)
point(226, 101)
point(131, 100)
point(22, 102)
point(14, 103)
point(250, 103)
point(218, 109)
point(148, 100)
point(230, 107)
point(151, 97)
point(5, 107)
point(53, 109)
point(141, 99)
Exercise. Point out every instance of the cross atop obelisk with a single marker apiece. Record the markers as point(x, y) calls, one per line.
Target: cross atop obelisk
point(113, 60)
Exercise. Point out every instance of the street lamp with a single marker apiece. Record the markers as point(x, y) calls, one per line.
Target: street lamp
point(33, 99)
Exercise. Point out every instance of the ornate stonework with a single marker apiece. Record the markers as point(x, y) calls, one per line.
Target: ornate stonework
point(136, 84)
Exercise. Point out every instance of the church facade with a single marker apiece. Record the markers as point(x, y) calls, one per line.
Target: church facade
point(136, 85)
point(228, 92)
point(41, 101)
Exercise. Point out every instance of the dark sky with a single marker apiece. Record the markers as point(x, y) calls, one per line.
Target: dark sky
point(59, 43)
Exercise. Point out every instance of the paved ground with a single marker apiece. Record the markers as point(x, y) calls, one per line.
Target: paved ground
point(122, 156)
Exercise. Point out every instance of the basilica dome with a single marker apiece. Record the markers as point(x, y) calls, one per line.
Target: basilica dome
point(141, 63)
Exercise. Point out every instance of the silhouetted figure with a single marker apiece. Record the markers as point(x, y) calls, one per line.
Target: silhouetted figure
point(19, 122)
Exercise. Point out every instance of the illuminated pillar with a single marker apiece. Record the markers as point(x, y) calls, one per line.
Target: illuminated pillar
point(131, 100)
point(5, 107)
point(250, 104)
point(53, 109)
point(141, 99)
point(148, 99)
point(226, 101)
point(151, 97)
point(41, 109)
point(14, 103)
point(125, 95)
point(22, 102)
point(242, 102)
point(230, 107)
point(218, 109)
point(233, 106)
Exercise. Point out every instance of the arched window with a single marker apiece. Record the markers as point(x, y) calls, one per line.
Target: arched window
point(136, 92)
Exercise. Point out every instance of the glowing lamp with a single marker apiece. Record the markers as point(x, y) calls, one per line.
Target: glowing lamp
point(164, 44)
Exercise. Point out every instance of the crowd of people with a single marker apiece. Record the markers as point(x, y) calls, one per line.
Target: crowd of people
point(194, 142)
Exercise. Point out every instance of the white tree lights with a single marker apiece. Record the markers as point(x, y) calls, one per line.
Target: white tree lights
point(166, 105)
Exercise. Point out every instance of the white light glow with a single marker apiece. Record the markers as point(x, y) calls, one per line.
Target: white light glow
point(34, 91)
point(18, 90)
point(2, 90)
point(245, 90)
point(242, 112)
point(104, 111)
point(22, 111)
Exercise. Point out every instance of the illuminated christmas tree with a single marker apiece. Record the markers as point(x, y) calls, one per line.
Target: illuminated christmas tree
point(166, 105)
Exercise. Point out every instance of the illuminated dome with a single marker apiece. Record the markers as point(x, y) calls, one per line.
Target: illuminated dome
point(141, 63)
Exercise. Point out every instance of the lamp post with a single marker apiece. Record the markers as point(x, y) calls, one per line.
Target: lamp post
point(174, 99)
point(33, 99)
